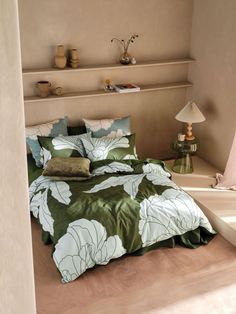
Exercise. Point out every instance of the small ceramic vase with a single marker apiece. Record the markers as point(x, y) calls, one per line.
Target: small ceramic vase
point(133, 61)
point(60, 58)
point(74, 54)
point(125, 58)
point(74, 60)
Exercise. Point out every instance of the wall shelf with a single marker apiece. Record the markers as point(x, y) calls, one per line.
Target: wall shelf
point(109, 66)
point(144, 88)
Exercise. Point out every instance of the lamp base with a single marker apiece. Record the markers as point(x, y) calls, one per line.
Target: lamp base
point(189, 138)
point(183, 164)
point(189, 134)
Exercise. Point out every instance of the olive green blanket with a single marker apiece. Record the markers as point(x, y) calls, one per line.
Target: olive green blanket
point(125, 207)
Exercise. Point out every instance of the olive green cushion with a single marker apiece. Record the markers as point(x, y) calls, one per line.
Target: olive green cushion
point(67, 167)
point(61, 146)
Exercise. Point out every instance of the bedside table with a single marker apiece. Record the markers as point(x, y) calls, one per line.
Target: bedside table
point(218, 205)
point(184, 149)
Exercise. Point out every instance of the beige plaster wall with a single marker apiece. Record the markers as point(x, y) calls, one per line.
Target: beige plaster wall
point(151, 116)
point(16, 266)
point(213, 44)
point(164, 29)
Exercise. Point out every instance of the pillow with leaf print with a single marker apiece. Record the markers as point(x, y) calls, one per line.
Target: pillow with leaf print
point(61, 146)
point(108, 127)
point(53, 128)
point(119, 148)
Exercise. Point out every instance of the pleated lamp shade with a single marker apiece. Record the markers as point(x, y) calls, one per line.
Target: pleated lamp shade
point(190, 114)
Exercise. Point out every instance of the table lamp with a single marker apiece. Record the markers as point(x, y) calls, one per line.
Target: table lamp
point(190, 114)
point(189, 144)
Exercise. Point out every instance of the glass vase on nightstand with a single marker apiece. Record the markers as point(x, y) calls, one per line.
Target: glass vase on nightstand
point(184, 149)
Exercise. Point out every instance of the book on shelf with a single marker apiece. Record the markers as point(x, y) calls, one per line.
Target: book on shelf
point(126, 88)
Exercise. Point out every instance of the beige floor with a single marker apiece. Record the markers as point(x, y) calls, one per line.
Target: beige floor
point(201, 281)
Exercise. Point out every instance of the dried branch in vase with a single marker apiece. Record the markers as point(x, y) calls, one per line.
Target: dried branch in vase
point(125, 57)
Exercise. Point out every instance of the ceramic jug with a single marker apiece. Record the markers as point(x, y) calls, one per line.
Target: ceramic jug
point(43, 88)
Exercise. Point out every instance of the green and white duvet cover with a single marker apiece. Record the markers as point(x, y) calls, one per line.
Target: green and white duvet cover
point(126, 207)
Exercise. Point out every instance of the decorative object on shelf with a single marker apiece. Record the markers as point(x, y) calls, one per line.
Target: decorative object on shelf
point(82, 94)
point(31, 76)
point(58, 91)
point(125, 56)
point(60, 58)
point(43, 88)
point(144, 64)
point(74, 59)
point(108, 85)
point(126, 88)
point(184, 149)
point(228, 180)
point(190, 114)
point(133, 60)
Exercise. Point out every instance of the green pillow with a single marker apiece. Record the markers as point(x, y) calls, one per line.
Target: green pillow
point(68, 167)
point(106, 148)
point(61, 146)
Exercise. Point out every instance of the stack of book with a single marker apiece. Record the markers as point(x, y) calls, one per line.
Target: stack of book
point(126, 88)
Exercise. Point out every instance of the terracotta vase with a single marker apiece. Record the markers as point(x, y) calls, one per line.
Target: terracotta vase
point(60, 58)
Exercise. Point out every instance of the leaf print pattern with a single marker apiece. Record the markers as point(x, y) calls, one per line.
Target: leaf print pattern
point(155, 169)
point(43, 129)
point(127, 157)
point(38, 193)
point(158, 176)
point(130, 183)
point(53, 128)
point(108, 127)
point(98, 148)
point(84, 245)
point(172, 213)
point(83, 241)
point(113, 167)
point(41, 210)
point(153, 173)
point(95, 125)
point(69, 142)
point(45, 156)
point(118, 133)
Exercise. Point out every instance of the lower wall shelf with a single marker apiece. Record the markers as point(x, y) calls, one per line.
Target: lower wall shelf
point(146, 88)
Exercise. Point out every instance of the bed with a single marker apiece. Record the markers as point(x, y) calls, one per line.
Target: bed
point(123, 206)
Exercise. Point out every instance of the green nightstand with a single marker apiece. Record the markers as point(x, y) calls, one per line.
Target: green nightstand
point(184, 149)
